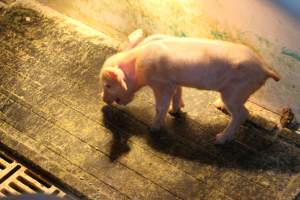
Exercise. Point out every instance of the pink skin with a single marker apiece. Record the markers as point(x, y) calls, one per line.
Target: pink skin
point(167, 63)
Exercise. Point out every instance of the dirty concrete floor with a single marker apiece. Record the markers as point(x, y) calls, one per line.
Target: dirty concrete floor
point(51, 114)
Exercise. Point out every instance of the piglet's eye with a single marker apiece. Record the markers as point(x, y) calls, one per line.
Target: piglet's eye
point(107, 86)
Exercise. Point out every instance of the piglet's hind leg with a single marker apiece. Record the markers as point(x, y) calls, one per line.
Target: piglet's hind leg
point(177, 103)
point(235, 105)
point(239, 115)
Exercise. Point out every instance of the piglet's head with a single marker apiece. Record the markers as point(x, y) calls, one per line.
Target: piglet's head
point(114, 86)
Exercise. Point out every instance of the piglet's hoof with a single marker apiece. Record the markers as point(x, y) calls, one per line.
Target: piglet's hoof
point(221, 139)
point(177, 114)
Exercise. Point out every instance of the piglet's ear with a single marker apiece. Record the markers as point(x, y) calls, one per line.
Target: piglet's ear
point(111, 74)
point(134, 39)
point(135, 36)
point(123, 84)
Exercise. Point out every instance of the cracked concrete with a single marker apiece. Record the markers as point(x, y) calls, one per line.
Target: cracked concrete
point(50, 113)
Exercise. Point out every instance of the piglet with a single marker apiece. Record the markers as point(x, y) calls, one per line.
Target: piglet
point(167, 63)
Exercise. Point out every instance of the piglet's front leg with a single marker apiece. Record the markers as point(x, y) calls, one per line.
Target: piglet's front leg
point(163, 95)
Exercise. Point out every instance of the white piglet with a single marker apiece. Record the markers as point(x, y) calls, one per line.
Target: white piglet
point(166, 63)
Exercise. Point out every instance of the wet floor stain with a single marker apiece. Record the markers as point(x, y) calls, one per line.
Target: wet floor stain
point(291, 53)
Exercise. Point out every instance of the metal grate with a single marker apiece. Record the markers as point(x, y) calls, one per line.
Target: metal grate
point(15, 179)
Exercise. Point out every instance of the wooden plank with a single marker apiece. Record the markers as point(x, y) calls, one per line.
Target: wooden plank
point(115, 174)
point(57, 165)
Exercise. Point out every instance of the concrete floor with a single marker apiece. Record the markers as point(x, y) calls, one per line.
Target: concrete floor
point(51, 114)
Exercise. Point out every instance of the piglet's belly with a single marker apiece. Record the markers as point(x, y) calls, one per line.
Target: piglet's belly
point(199, 82)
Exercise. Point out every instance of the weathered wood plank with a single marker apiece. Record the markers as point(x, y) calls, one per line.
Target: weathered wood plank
point(49, 160)
point(114, 174)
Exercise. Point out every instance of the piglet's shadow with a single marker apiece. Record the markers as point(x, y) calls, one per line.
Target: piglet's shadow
point(114, 121)
point(185, 139)
point(123, 126)
point(174, 140)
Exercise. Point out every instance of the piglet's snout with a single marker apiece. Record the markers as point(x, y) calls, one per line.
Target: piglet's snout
point(118, 100)
point(106, 99)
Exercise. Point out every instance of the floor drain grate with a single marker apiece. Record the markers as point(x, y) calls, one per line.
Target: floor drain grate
point(16, 179)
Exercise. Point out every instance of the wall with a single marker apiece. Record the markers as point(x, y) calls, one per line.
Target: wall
point(271, 28)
